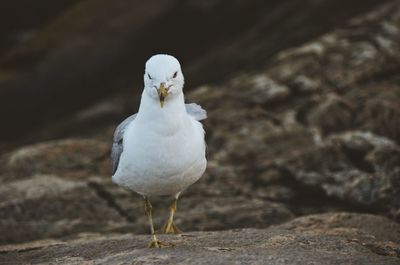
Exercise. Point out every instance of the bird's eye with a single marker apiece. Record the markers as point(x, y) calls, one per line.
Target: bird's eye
point(149, 76)
point(175, 74)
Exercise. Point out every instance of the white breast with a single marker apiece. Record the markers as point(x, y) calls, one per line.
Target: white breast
point(159, 159)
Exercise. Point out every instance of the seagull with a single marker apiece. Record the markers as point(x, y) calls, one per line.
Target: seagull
point(161, 149)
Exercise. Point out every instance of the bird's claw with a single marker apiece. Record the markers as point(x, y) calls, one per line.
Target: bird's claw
point(159, 244)
point(155, 244)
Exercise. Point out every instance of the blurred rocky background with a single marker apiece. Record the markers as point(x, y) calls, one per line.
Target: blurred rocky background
point(303, 131)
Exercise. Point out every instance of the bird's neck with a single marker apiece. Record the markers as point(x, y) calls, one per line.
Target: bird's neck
point(172, 114)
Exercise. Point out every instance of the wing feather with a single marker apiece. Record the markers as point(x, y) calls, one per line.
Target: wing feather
point(196, 111)
point(117, 146)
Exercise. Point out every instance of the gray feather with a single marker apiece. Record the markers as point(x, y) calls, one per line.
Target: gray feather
point(193, 109)
point(117, 146)
point(196, 111)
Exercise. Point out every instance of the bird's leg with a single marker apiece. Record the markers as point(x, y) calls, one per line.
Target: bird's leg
point(170, 227)
point(154, 243)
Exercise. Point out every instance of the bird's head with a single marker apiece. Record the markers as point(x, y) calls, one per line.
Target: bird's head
point(163, 78)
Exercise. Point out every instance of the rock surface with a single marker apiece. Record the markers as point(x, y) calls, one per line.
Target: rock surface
point(63, 187)
point(340, 238)
point(319, 119)
point(357, 167)
point(97, 47)
point(316, 130)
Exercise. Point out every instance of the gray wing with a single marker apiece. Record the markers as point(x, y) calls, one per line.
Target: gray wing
point(117, 146)
point(196, 111)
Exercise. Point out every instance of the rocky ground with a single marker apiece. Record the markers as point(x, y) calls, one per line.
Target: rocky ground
point(339, 238)
point(304, 168)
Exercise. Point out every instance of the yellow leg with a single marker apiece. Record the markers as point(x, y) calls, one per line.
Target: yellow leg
point(154, 243)
point(170, 227)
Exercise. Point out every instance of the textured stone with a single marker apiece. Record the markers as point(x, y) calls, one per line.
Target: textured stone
point(327, 239)
point(357, 167)
point(74, 158)
point(46, 206)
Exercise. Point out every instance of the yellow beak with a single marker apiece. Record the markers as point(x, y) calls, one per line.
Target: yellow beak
point(162, 94)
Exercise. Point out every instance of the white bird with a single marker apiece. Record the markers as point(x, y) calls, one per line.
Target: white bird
point(161, 149)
